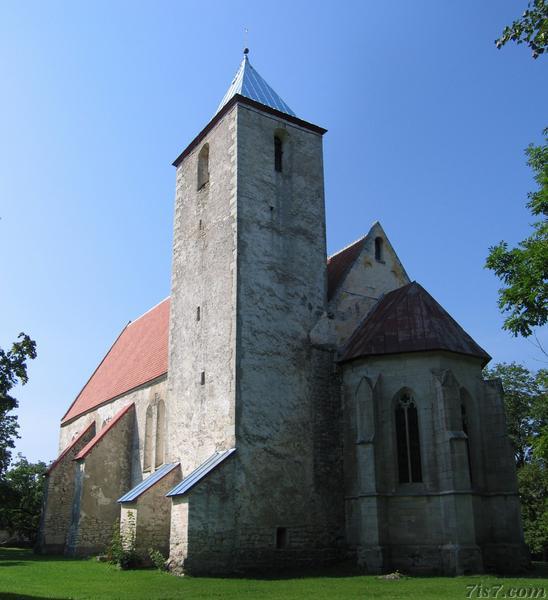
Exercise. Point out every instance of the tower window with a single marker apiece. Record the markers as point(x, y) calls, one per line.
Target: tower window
point(281, 538)
point(203, 166)
point(198, 315)
point(407, 435)
point(278, 154)
point(202, 378)
point(378, 249)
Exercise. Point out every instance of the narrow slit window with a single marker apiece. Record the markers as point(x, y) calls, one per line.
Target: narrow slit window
point(147, 451)
point(203, 166)
point(281, 538)
point(278, 154)
point(378, 249)
point(198, 313)
point(465, 431)
point(408, 442)
point(202, 378)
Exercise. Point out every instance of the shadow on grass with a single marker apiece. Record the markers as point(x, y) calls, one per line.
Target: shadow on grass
point(9, 596)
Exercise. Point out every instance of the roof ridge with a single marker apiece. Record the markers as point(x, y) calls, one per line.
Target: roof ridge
point(149, 310)
point(348, 246)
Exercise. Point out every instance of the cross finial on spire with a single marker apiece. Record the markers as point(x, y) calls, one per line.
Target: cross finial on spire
point(246, 49)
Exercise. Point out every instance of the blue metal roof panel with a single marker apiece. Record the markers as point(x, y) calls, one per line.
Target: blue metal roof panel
point(247, 82)
point(198, 474)
point(147, 483)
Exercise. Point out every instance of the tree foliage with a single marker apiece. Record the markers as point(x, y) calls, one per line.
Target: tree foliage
point(526, 404)
point(21, 505)
point(13, 370)
point(524, 269)
point(531, 29)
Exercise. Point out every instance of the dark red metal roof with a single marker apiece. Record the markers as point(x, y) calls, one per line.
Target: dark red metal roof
point(410, 320)
point(339, 264)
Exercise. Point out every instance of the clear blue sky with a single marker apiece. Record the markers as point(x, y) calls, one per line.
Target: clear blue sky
point(427, 124)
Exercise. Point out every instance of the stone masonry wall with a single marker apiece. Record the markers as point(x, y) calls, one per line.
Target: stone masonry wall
point(281, 295)
point(436, 525)
point(105, 474)
point(142, 397)
point(59, 494)
point(200, 408)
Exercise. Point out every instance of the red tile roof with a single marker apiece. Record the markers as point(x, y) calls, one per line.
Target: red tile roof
point(339, 264)
point(138, 356)
point(410, 320)
point(70, 447)
point(95, 440)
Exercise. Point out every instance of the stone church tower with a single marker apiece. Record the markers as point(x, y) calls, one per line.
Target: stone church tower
point(282, 408)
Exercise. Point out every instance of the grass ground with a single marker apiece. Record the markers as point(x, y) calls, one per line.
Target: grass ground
point(24, 575)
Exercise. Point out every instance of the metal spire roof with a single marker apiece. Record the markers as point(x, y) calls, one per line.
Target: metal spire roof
point(247, 82)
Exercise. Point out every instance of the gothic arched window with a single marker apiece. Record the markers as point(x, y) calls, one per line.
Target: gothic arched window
point(278, 153)
point(408, 442)
point(160, 433)
point(203, 166)
point(147, 451)
point(378, 248)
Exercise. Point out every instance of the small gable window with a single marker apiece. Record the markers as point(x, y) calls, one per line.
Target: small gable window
point(378, 249)
point(278, 153)
point(408, 442)
point(203, 166)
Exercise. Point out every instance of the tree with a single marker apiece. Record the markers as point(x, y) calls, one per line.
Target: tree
point(22, 505)
point(533, 491)
point(13, 370)
point(531, 28)
point(524, 269)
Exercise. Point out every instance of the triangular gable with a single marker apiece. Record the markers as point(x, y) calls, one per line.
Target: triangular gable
point(108, 427)
point(202, 471)
point(340, 264)
point(410, 320)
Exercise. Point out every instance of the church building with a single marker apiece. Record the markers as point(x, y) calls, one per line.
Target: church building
point(283, 408)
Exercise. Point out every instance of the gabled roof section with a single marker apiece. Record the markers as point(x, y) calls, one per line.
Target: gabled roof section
point(74, 442)
point(410, 320)
point(149, 482)
point(339, 264)
point(138, 355)
point(248, 83)
point(99, 436)
point(198, 474)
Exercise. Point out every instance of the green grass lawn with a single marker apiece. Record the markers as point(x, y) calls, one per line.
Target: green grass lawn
point(25, 575)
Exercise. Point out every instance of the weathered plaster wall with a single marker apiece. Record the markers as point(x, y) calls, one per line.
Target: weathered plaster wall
point(152, 515)
point(142, 397)
point(103, 476)
point(281, 295)
point(439, 524)
point(201, 416)
point(367, 280)
point(59, 494)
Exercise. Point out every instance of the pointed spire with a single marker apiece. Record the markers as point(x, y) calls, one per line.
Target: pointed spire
point(247, 82)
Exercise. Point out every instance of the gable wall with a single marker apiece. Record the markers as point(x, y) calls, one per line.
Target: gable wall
point(366, 281)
